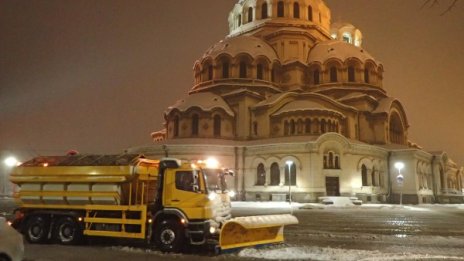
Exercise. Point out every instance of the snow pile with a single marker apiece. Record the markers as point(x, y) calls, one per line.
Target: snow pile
point(264, 204)
point(130, 249)
point(319, 253)
point(252, 208)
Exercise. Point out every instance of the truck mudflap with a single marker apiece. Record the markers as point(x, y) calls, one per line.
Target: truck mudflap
point(243, 232)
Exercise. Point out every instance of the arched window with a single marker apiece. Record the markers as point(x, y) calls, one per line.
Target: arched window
point(239, 20)
point(292, 175)
point(292, 127)
point(243, 70)
point(333, 74)
point(225, 70)
point(366, 75)
point(396, 129)
point(331, 160)
point(217, 126)
point(316, 76)
point(310, 13)
point(364, 175)
point(273, 72)
point(264, 11)
point(374, 181)
point(275, 174)
point(250, 14)
point(255, 128)
point(259, 71)
point(323, 126)
point(296, 10)
point(347, 38)
point(299, 126)
point(176, 126)
point(195, 123)
point(308, 126)
point(260, 175)
point(210, 72)
point(351, 77)
point(280, 9)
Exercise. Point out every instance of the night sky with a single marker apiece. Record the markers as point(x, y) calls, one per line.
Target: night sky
point(96, 76)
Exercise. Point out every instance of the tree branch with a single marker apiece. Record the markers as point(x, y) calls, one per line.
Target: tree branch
point(434, 3)
point(451, 6)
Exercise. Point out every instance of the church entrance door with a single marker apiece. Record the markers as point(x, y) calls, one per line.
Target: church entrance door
point(332, 186)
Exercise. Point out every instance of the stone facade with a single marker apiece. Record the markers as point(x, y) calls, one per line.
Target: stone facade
point(287, 85)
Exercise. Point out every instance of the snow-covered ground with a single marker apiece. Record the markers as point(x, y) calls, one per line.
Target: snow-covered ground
point(326, 232)
point(327, 253)
point(304, 252)
point(393, 247)
point(245, 208)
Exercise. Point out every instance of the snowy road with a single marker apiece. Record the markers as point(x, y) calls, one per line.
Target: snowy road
point(368, 232)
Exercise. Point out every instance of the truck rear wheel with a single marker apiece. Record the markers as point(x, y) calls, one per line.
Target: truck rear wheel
point(169, 236)
point(67, 231)
point(37, 229)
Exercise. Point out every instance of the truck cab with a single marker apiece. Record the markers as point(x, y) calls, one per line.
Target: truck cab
point(193, 206)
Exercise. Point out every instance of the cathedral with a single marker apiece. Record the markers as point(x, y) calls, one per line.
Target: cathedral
point(295, 105)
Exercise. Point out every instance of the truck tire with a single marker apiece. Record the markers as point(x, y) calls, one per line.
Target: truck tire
point(37, 229)
point(4, 257)
point(169, 236)
point(67, 231)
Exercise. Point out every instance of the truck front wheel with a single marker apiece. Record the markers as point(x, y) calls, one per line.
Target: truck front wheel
point(37, 229)
point(169, 236)
point(67, 231)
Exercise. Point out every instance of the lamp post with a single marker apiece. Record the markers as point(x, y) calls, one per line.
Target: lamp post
point(400, 179)
point(289, 164)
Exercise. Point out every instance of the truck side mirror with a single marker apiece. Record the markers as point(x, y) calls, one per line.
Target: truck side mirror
point(229, 172)
point(195, 186)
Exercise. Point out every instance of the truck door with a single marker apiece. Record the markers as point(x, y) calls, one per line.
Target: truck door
point(181, 187)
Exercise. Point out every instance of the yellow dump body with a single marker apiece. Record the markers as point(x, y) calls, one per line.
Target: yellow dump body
point(76, 181)
point(109, 189)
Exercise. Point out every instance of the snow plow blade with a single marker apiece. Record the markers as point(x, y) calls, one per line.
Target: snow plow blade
point(243, 232)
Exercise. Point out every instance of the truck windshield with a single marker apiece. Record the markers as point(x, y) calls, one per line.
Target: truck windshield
point(215, 180)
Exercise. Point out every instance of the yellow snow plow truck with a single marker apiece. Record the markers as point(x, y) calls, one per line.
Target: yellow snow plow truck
point(168, 202)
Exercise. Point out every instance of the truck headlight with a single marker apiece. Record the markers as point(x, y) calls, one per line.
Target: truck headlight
point(212, 196)
point(212, 230)
point(231, 193)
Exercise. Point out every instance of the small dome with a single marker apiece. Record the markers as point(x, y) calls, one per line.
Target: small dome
point(338, 50)
point(205, 100)
point(304, 106)
point(242, 44)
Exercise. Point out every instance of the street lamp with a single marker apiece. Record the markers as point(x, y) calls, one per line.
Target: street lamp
point(400, 179)
point(289, 164)
point(9, 162)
